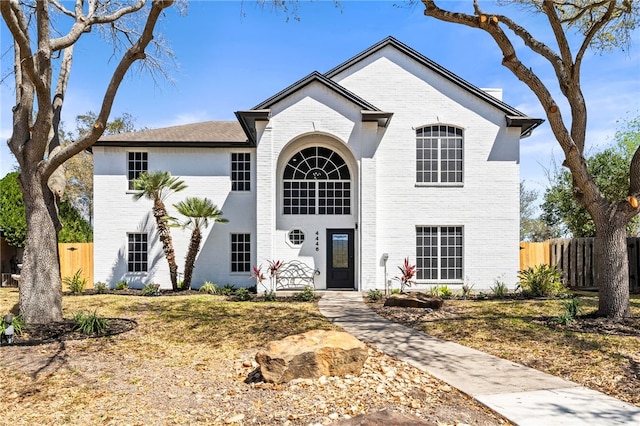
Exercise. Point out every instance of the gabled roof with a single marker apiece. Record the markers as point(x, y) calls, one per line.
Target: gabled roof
point(311, 78)
point(206, 134)
point(518, 119)
point(262, 110)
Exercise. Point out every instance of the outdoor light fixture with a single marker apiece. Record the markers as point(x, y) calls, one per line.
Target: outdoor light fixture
point(7, 334)
point(385, 257)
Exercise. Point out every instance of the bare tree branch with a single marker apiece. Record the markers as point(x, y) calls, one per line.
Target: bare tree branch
point(597, 26)
point(134, 53)
point(84, 22)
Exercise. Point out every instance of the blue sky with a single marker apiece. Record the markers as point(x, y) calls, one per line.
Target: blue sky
point(232, 55)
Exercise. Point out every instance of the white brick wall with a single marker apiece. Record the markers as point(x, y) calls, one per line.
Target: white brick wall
point(488, 202)
point(207, 174)
point(387, 204)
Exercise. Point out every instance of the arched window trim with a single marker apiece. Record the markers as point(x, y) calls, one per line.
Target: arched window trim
point(316, 180)
point(440, 154)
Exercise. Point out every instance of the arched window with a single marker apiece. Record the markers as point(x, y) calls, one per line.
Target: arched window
point(316, 180)
point(439, 154)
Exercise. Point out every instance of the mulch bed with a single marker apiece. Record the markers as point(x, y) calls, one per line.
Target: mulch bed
point(37, 334)
point(596, 325)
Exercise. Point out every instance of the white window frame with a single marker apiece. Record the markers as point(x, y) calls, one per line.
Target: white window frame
point(322, 183)
point(241, 177)
point(134, 171)
point(236, 265)
point(296, 237)
point(133, 251)
point(444, 257)
point(441, 151)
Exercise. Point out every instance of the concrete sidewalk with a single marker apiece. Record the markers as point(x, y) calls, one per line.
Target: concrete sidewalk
point(521, 394)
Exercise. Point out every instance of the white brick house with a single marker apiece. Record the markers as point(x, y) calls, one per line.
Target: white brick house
point(386, 155)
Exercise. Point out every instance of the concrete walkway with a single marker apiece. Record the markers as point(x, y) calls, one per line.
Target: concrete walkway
point(521, 394)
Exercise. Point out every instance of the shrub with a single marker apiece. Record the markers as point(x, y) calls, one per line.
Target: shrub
point(209, 288)
point(395, 291)
point(151, 289)
point(76, 283)
point(374, 295)
point(100, 287)
point(499, 289)
point(122, 285)
point(466, 290)
point(434, 291)
point(227, 290)
point(541, 280)
point(305, 295)
point(17, 323)
point(90, 323)
point(269, 296)
point(445, 292)
point(243, 294)
point(571, 311)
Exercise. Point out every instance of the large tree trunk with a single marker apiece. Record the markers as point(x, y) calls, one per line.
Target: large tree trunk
point(164, 233)
point(612, 268)
point(194, 247)
point(40, 296)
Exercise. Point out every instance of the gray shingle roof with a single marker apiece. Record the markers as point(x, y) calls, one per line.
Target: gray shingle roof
point(208, 133)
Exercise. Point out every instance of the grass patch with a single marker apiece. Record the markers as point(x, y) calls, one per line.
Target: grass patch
point(189, 342)
point(515, 330)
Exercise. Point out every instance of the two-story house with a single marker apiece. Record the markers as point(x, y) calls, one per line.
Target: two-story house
point(386, 156)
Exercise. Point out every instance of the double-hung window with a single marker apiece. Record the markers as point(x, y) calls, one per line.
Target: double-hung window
point(439, 252)
point(240, 171)
point(137, 162)
point(137, 252)
point(240, 252)
point(439, 156)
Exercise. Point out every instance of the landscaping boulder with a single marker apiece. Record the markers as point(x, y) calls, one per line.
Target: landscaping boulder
point(414, 299)
point(385, 418)
point(312, 354)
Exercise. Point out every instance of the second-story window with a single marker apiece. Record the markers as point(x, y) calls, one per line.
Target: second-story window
point(439, 156)
point(240, 171)
point(137, 163)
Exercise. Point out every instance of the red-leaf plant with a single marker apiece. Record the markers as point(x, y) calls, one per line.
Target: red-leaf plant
point(274, 268)
point(408, 271)
point(258, 275)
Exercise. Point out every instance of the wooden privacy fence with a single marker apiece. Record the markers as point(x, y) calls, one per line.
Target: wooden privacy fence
point(532, 254)
point(74, 257)
point(575, 257)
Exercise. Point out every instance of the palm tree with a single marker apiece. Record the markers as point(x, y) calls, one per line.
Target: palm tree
point(199, 211)
point(157, 186)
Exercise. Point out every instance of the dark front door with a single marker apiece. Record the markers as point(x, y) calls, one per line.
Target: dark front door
point(340, 258)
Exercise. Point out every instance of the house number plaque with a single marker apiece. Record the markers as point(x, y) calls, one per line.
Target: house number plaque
point(317, 241)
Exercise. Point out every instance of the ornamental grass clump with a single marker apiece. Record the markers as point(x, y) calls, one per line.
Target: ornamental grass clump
point(100, 287)
point(572, 309)
point(90, 324)
point(541, 281)
point(209, 288)
point(374, 295)
point(151, 289)
point(121, 285)
point(76, 283)
point(242, 294)
point(306, 295)
point(17, 322)
point(499, 289)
